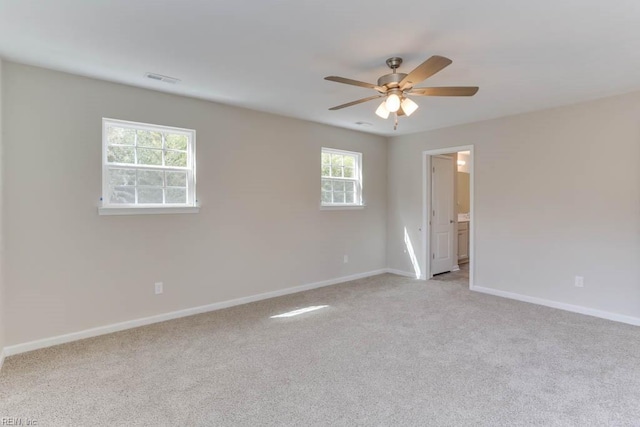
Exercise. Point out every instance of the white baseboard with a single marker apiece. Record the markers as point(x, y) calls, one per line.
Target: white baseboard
point(107, 329)
point(560, 305)
point(401, 273)
point(1, 358)
point(115, 327)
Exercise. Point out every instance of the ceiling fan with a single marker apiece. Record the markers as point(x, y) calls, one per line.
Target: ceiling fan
point(397, 87)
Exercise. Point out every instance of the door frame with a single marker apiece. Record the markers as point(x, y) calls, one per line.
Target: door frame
point(426, 207)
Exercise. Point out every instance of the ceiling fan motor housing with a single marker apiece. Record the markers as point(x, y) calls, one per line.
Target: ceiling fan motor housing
point(391, 80)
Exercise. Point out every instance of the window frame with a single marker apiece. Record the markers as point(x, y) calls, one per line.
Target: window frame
point(358, 196)
point(191, 206)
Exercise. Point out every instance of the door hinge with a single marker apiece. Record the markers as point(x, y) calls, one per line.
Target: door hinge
point(433, 169)
point(433, 256)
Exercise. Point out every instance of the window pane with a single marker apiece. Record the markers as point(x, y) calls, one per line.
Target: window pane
point(149, 195)
point(348, 172)
point(349, 197)
point(122, 195)
point(116, 135)
point(176, 142)
point(340, 178)
point(176, 179)
point(147, 164)
point(122, 177)
point(148, 156)
point(120, 155)
point(176, 195)
point(149, 139)
point(349, 161)
point(175, 158)
point(150, 178)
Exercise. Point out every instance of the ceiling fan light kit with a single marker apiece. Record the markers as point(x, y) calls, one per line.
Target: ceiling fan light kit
point(392, 103)
point(409, 107)
point(382, 111)
point(397, 87)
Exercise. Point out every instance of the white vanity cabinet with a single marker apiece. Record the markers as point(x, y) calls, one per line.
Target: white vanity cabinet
point(463, 242)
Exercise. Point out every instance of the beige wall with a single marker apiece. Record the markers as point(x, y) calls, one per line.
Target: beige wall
point(260, 228)
point(463, 192)
point(466, 158)
point(2, 283)
point(553, 199)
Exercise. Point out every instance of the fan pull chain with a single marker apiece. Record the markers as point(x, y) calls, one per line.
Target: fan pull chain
point(395, 125)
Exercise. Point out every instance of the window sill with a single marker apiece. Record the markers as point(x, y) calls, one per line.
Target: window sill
point(340, 207)
point(149, 211)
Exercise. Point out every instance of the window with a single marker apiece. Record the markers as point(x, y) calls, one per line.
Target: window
point(146, 167)
point(341, 178)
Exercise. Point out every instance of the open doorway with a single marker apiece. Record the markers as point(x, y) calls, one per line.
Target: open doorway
point(448, 220)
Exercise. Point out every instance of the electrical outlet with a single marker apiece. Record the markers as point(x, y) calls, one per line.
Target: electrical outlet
point(346, 259)
point(159, 288)
point(579, 282)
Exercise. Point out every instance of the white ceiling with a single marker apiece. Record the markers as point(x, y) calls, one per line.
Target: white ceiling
point(272, 55)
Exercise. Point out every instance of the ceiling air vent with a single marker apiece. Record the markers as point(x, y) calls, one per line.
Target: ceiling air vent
point(161, 78)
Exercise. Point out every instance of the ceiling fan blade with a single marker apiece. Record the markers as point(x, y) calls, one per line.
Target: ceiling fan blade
point(445, 91)
point(355, 83)
point(425, 70)
point(359, 101)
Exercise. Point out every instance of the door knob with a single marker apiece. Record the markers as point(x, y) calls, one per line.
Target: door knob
point(450, 221)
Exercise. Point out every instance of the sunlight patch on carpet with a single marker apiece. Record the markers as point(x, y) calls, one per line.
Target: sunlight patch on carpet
point(299, 311)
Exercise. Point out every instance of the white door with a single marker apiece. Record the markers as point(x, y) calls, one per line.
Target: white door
point(442, 210)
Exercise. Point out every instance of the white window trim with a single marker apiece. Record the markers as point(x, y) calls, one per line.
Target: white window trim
point(192, 205)
point(359, 191)
point(147, 210)
point(341, 207)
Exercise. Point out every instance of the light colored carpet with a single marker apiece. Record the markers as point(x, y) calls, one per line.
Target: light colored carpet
point(386, 351)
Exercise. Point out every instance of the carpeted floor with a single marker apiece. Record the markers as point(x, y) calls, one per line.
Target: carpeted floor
point(387, 351)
